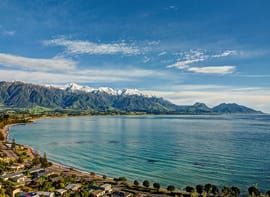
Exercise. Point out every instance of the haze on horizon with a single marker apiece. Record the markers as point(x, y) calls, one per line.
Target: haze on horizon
point(185, 51)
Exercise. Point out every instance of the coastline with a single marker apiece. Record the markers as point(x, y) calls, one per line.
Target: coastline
point(62, 167)
point(56, 166)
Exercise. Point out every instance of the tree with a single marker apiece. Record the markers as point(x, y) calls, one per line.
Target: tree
point(171, 188)
point(208, 188)
point(225, 191)
point(146, 183)
point(36, 159)
point(13, 144)
point(136, 183)
point(44, 162)
point(199, 189)
point(235, 191)
point(122, 178)
point(214, 190)
point(253, 191)
point(268, 193)
point(156, 186)
point(20, 160)
point(189, 189)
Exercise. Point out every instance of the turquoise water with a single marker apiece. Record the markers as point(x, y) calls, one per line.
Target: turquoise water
point(179, 150)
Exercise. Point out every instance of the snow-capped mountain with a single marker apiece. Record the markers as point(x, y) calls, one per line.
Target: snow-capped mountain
point(73, 87)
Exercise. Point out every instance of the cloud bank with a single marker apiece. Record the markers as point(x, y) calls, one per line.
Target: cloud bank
point(61, 70)
point(37, 64)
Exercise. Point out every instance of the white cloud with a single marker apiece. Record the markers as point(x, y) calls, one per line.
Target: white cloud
point(162, 53)
point(183, 64)
point(225, 54)
point(79, 76)
point(60, 70)
point(36, 64)
point(86, 47)
point(195, 56)
point(189, 58)
point(146, 60)
point(213, 69)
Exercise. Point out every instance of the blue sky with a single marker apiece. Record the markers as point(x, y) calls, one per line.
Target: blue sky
point(186, 51)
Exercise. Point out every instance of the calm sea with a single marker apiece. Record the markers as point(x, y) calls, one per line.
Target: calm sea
point(179, 150)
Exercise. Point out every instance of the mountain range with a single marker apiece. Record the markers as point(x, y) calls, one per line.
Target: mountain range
point(72, 96)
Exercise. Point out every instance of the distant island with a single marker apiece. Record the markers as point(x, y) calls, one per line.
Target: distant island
point(73, 99)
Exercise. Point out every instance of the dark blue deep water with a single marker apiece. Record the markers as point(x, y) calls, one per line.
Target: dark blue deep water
point(179, 150)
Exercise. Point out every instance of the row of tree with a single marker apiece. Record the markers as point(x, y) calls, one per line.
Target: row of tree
point(209, 189)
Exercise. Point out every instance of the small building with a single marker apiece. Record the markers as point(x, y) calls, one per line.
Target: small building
point(106, 187)
point(12, 175)
point(45, 194)
point(31, 194)
point(120, 194)
point(98, 193)
point(16, 166)
point(4, 157)
point(55, 179)
point(19, 179)
point(73, 187)
point(60, 192)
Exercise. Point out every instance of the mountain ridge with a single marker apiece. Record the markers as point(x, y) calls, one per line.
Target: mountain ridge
point(18, 94)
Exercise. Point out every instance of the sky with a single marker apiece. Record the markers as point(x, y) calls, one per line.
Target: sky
point(185, 51)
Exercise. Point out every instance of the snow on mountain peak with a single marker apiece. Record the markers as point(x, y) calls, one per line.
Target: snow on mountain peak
point(132, 92)
point(73, 87)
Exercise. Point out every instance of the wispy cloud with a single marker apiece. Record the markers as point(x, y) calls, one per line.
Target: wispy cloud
point(195, 56)
point(36, 64)
point(213, 69)
point(225, 54)
point(86, 47)
point(7, 33)
point(162, 53)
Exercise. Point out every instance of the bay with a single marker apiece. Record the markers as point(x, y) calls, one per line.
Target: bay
point(225, 150)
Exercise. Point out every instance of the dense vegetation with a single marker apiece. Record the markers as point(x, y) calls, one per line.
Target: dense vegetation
point(47, 99)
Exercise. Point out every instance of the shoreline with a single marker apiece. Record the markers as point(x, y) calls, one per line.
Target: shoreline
point(58, 166)
point(62, 167)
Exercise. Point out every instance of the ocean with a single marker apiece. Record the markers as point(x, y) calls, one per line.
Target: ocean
point(225, 150)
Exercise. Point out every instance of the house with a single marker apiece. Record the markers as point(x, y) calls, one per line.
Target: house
point(31, 194)
point(60, 192)
point(55, 179)
point(106, 187)
point(12, 175)
point(98, 193)
point(13, 191)
point(4, 157)
point(73, 186)
point(19, 179)
point(16, 166)
point(120, 194)
point(41, 172)
point(45, 194)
